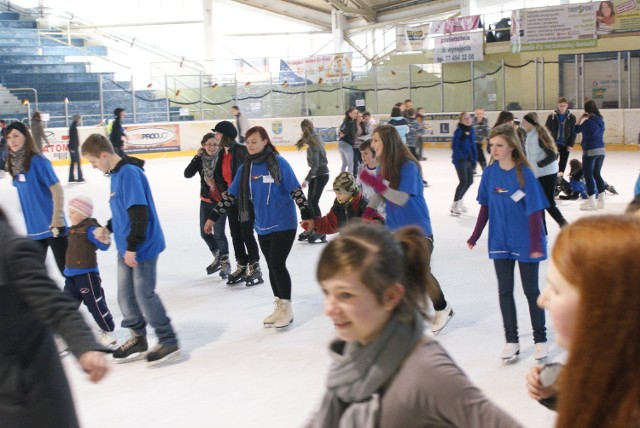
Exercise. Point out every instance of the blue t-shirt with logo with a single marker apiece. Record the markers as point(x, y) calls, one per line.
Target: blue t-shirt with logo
point(35, 196)
point(415, 211)
point(509, 210)
point(129, 187)
point(273, 205)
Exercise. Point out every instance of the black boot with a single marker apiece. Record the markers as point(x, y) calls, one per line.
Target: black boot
point(225, 269)
point(215, 264)
point(304, 236)
point(316, 237)
point(254, 275)
point(238, 275)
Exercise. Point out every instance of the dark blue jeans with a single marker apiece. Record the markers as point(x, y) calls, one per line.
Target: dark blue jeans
point(217, 241)
point(529, 277)
point(465, 177)
point(591, 168)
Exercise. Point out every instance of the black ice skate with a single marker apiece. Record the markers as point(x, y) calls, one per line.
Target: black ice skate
point(315, 237)
point(254, 275)
point(131, 350)
point(303, 236)
point(238, 275)
point(163, 354)
point(215, 264)
point(225, 269)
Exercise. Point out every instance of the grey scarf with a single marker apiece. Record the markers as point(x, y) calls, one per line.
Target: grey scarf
point(17, 161)
point(359, 373)
point(208, 165)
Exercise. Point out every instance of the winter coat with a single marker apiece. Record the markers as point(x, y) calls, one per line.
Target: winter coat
point(463, 146)
point(316, 157)
point(415, 132)
point(402, 126)
point(481, 129)
point(538, 156)
point(238, 153)
point(592, 130)
point(348, 129)
point(195, 166)
point(568, 137)
point(33, 388)
point(340, 215)
point(74, 139)
point(117, 132)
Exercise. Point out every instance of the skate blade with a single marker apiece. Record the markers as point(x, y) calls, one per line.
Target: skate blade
point(283, 327)
point(131, 358)
point(542, 360)
point(171, 358)
point(268, 325)
point(255, 282)
point(510, 360)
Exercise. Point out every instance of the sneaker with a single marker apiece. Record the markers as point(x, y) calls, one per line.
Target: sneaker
point(105, 339)
point(510, 353)
point(162, 354)
point(441, 319)
point(269, 320)
point(284, 317)
point(541, 352)
point(131, 350)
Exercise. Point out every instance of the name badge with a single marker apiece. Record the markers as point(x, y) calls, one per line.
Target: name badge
point(22, 178)
point(517, 195)
point(267, 179)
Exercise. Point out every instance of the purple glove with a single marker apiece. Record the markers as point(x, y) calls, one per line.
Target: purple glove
point(372, 181)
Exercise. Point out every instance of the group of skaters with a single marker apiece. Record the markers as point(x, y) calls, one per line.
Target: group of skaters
point(376, 275)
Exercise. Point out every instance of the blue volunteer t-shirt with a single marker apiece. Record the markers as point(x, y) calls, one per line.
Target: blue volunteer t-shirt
point(129, 187)
point(415, 212)
point(35, 196)
point(273, 205)
point(509, 210)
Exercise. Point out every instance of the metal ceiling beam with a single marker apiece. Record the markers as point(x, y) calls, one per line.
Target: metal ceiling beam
point(366, 12)
point(283, 8)
point(404, 15)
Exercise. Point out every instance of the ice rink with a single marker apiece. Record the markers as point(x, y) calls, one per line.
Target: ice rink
point(234, 372)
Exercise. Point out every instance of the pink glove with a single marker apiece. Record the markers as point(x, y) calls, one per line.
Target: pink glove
point(372, 181)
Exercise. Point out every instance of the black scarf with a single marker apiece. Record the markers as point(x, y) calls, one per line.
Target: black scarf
point(465, 128)
point(267, 155)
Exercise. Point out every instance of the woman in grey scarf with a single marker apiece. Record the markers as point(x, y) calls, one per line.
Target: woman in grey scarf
point(385, 371)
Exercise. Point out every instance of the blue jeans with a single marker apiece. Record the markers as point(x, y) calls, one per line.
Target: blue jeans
point(591, 167)
point(529, 277)
point(139, 302)
point(217, 241)
point(346, 154)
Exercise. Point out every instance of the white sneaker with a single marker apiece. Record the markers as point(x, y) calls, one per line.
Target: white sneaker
point(105, 339)
point(268, 321)
point(601, 198)
point(541, 352)
point(441, 319)
point(510, 353)
point(455, 210)
point(284, 317)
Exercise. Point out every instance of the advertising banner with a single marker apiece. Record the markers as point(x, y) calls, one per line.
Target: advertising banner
point(559, 27)
point(317, 70)
point(617, 16)
point(459, 47)
point(411, 39)
point(455, 25)
point(152, 138)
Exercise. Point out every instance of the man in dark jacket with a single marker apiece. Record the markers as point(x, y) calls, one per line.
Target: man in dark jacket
point(33, 388)
point(118, 137)
point(73, 146)
point(560, 125)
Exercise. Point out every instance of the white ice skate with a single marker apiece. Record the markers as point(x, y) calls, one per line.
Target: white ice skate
point(510, 353)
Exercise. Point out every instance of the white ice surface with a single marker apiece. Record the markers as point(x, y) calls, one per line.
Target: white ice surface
point(235, 373)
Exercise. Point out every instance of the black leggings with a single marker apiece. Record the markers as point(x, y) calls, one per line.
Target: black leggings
point(548, 183)
point(563, 151)
point(433, 286)
point(276, 247)
point(316, 187)
point(58, 248)
point(481, 159)
point(242, 236)
point(465, 176)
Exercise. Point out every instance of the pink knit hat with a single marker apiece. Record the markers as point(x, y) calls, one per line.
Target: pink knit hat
point(83, 205)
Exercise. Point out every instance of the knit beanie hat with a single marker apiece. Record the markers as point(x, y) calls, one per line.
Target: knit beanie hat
point(345, 182)
point(226, 128)
point(83, 205)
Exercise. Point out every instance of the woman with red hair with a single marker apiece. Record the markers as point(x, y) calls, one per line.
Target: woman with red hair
point(266, 182)
point(592, 297)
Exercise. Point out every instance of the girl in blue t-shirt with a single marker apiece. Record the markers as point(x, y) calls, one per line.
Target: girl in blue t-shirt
point(398, 185)
point(266, 184)
point(40, 193)
point(512, 201)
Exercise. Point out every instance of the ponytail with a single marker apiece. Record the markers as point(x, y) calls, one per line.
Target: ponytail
point(417, 253)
